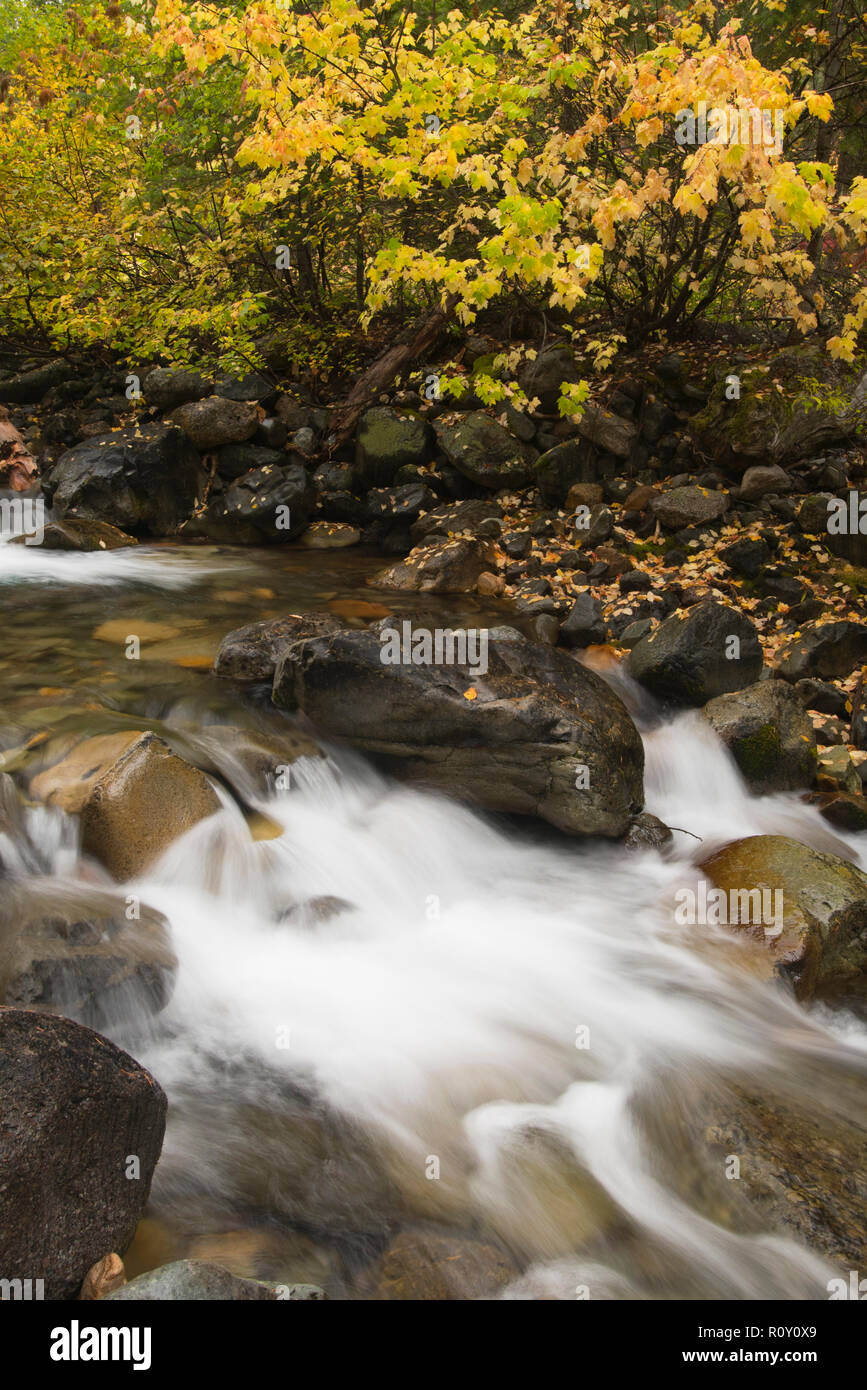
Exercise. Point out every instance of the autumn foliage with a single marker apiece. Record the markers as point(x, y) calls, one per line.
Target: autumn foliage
point(179, 179)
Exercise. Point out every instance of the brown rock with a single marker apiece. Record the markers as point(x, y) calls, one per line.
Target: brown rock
point(453, 567)
point(76, 1112)
point(107, 1274)
point(428, 1265)
point(144, 802)
point(217, 420)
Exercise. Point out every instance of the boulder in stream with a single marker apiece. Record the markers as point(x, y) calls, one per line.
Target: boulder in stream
point(768, 733)
point(448, 567)
point(251, 653)
point(536, 734)
point(80, 955)
point(145, 478)
point(692, 656)
point(823, 940)
point(134, 796)
point(81, 1132)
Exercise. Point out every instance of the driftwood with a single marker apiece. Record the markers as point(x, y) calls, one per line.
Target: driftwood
point(18, 467)
point(383, 371)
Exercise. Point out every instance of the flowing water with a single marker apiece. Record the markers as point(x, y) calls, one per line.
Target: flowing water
point(399, 1010)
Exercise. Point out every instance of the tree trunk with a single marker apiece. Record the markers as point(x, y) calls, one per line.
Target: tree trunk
point(383, 371)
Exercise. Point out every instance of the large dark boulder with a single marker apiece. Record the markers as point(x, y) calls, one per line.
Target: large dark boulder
point(450, 518)
point(560, 468)
point(145, 478)
point(216, 420)
point(81, 1128)
point(484, 451)
point(825, 650)
point(251, 653)
point(386, 442)
point(709, 650)
point(544, 376)
point(688, 506)
point(443, 567)
point(269, 504)
point(166, 387)
point(536, 733)
point(769, 734)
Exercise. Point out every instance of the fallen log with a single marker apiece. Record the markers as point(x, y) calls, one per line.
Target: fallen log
point(18, 468)
point(382, 372)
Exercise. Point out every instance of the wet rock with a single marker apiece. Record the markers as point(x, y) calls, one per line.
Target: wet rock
point(585, 625)
point(215, 421)
point(545, 376)
point(251, 653)
point(824, 907)
point(813, 514)
point(562, 470)
point(387, 441)
point(285, 1158)
point(824, 650)
point(80, 956)
point(594, 527)
point(76, 1110)
point(167, 388)
point(746, 557)
point(536, 734)
point(134, 796)
point(428, 1265)
point(829, 729)
point(846, 811)
point(75, 533)
point(453, 517)
point(647, 832)
point(141, 479)
point(451, 567)
point(484, 451)
point(633, 634)
point(398, 506)
point(769, 734)
point(818, 695)
point(688, 506)
point(270, 504)
point(233, 460)
point(837, 770)
point(546, 629)
point(610, 433)
point(197, 1281)
point(253, 386)
point(692, 657)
